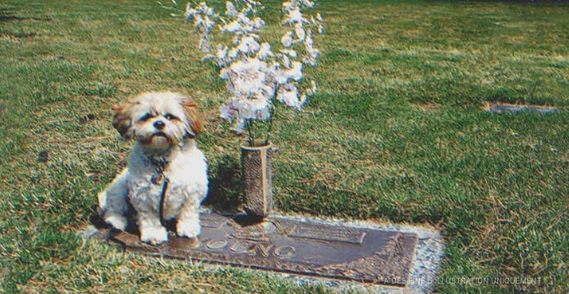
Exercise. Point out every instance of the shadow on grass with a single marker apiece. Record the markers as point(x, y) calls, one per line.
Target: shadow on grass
point(8, 15)
point(522, 1)
point(225, 185)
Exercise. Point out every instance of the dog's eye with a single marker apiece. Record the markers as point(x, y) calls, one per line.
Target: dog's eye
point(146, 117)
point(169, 116)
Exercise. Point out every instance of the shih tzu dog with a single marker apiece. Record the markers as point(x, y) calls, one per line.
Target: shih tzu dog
point(166, 177)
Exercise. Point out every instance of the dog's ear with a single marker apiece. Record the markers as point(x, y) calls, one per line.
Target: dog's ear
point(194, 117)
point(122, 119)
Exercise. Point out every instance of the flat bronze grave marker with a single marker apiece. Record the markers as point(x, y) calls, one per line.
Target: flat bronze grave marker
point(500, 108)
point(288, 245)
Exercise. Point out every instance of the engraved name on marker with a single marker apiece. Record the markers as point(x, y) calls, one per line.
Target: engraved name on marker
point(338, 234)
point(251, 248)
point(212, 221)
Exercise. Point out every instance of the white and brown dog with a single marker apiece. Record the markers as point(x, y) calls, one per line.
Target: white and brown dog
point(166, 177)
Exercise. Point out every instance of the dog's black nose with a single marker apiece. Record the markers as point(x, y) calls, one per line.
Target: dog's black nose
point(159, 124)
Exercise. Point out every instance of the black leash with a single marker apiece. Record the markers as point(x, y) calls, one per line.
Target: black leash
point(162, 198)
point(157, 178)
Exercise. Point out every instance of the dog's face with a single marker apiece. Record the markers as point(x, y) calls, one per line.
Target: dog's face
point(158, 120)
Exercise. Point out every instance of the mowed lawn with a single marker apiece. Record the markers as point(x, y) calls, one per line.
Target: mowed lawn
point(398, 133)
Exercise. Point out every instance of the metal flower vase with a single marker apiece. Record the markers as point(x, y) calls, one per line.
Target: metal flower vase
point(256, 162)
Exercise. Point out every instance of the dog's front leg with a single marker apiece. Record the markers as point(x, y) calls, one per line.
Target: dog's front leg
point(151, 230)
point(189, 219)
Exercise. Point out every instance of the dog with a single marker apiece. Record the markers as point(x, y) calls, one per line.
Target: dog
point(166, 178)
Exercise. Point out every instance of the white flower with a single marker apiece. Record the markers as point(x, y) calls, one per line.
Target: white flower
point(198, 20)
point(209, 11)
point(204, 8)
point(248, 44)
point(190, 12)
point(233, 53)
point(227, 110)
point(287, 5)
point(294, 16)
point(245, 22)
point(261, 109)
point(300, 33)
point(230, 9)
point(288, 94)
point(275, 76)
point(308, 42)
point(208, 23)
point(307, 3)
point(258, 23)
point(232, 27)
point(312, 90)
point(314, 87)
point(295, 72)
point(302, 99)
point(280, 76)
point(221, 54)
point(239, 125)
point(318, 22)
point(285, 60)
point(204, 44)
point(251, 107)
point(289, 52)
point(286, 39)
point(245, 77)
point(265, 51)
point(240, 107)
point(312, 53)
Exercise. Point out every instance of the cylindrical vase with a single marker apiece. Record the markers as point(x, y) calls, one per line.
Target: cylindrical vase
point(256, 162)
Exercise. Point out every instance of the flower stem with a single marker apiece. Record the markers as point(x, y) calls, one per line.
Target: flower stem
point(249, 126)
point(270, 128)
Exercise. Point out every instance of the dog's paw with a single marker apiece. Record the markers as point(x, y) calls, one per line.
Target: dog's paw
point(153, 235)
point(118, 222)
point(188, 229)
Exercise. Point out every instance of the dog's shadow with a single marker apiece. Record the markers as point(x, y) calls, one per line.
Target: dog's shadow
point(131, 227)
point(225, 185)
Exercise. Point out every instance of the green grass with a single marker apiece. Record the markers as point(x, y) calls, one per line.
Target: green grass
point(397, 133)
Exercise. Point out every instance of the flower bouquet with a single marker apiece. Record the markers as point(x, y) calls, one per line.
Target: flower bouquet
point(255, 74)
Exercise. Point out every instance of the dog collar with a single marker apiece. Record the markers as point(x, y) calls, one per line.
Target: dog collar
point(158, 175)
point(159, 162)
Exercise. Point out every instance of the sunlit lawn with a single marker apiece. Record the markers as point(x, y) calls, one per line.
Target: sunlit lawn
point(397, 133)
